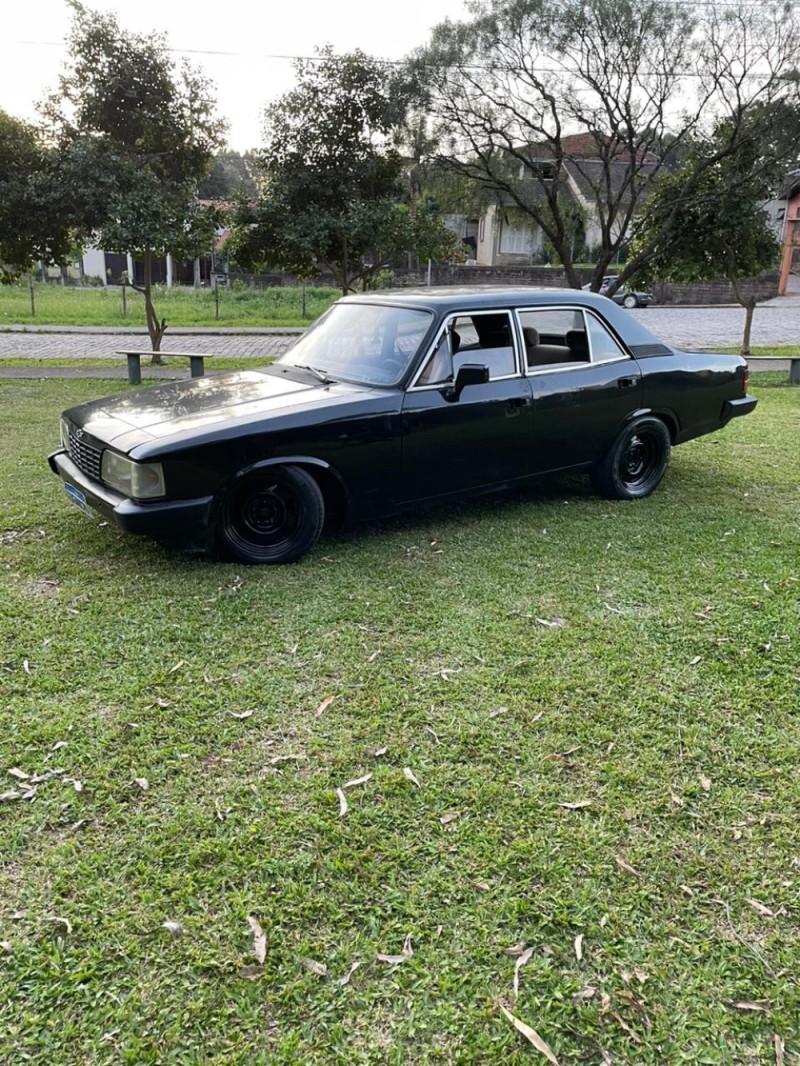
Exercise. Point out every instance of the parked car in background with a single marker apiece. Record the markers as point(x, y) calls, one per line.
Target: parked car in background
point(628, 298)
point(391, 402)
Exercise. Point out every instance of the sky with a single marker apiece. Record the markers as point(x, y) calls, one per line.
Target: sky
point(253, 34)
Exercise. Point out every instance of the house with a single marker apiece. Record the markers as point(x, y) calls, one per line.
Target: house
point(506, 234)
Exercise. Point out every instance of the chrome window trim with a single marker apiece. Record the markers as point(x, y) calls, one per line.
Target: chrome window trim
point(515, 344)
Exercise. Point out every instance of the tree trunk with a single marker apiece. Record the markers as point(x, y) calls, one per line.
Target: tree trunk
point(198, 281)
point(155, 328)
point(345, 287)
point(749, 305)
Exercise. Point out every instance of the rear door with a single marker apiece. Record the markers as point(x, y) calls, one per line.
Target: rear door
point(585, 385)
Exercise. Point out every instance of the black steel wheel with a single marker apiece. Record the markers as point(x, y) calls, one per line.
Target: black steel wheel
point(635, 463)
point(273, 515)
point(630, 301)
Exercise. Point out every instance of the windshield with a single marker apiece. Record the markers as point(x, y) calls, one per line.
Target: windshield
point(371, 344)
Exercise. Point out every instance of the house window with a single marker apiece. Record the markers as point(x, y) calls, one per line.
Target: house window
point(516, 240)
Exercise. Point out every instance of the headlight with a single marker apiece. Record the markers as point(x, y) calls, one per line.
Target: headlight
point(142, 481)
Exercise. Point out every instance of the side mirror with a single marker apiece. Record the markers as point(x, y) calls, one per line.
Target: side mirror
point(467, 374)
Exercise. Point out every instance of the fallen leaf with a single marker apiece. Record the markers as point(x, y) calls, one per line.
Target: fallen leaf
point(142, 782)
point(583, 995)
point(779, 1049)
point(451, 816)
point(433, 733)
point(162, 703)
point(357, 781)
point(178, 665)
point(59, 744)
point(748, 1004)
point(515, 950)
point(393, 960)
point(579, 947)
point(346, 979)
point(19, 774)
point(482, 886)
point(259, 939)
point(173, 928)
point(409, 773)
point(371, 659)
point(676, 799)
point(380, 751)
point(243, 714)
point(705, 782)
point(343, 808)
point(26, 666)
point(251, 972)
point(552, 623)
point(285, 758)
point(761, 908)
point(626, 867)
point(576, 806)
point(624, 1025)
point(524, 957)
point(324, 705)
point(319, 968)
point(531, 1036)
point(7, 797)
point(614, 610)
point(408, 951)
point(500, 710)
point(61, 921)
point(76, 784)
point(7, 947)
point(696, 660)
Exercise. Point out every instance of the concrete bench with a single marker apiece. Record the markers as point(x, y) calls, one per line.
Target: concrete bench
point(769, 363)
point(196, 367)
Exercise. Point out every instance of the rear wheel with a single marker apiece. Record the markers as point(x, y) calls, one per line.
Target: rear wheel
point(635, 463)
point(274, 515)
point(630, 301)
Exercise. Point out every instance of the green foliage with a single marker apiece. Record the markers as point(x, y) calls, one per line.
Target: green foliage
point(144, 131)
point(333, 178)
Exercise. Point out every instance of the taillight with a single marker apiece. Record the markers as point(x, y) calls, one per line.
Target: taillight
point(746, 378)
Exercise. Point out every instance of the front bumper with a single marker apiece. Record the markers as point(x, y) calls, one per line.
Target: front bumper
point(183, 523)
point(737, 408)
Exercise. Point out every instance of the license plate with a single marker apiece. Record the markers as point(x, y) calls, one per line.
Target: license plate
point(77, 498)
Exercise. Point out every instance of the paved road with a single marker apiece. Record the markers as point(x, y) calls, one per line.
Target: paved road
point(776, 322)
point(101, 345)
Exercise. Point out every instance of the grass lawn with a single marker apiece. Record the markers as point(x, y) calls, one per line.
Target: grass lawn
point(238, 306)
point(581, 723)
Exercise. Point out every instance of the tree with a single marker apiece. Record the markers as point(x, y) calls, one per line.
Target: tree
point(721, 230)
point(333, 177)
point(232, 174)
point(148, 127)
point(545, 103)
point(34, 224)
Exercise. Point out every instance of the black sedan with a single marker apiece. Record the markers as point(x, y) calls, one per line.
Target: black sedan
point(628, 298)
point(391, 402)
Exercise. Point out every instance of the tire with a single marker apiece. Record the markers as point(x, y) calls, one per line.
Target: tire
point(635, 463)
point(630, 301)
point(273, 515)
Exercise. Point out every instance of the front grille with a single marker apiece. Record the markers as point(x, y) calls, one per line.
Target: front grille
point(84, 455)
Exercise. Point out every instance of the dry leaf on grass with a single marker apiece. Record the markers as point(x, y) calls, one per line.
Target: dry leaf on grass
point(324, 705)
point(241, 715)
point(19, 774)
point(65, 922)
point(751, 1004)
point(357, 781)
point(696, 660)
point(624, 1025)
point(374, 656)
point(26, 666)
point(285, 758)
point(524, 957)
point(409, 774)
point(576, 806)
point(676, 799)
point(705, 782)
point(515, 950)
point(7, 797)
point(531, 1036)
point(395, 960)
point(579, 947)
point(379, 751)
point(178, 665)
point(583, 995)
point(76, 784)
point(762, 908)
point(552, 623)
point(7, 947)
point(346, 979)
point(343, 808)
point(259, 939)
point(173, 928)
point(626, 866)
point(499, 711)
point(451, 816)
point(779, 1049)
point(319, 968)
point(251, 972)
point(142, 782)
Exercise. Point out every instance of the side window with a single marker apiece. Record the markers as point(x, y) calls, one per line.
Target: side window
point(604, 347)
point(555, 336)
point(485, 339)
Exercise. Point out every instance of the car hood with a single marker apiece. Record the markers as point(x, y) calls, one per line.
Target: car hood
point(189, 408)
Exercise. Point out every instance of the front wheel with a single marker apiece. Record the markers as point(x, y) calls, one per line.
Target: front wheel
point(630, 301)
point(635, 463)
point(273, 515)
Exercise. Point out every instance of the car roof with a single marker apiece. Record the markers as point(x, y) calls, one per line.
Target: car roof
point(454, 299)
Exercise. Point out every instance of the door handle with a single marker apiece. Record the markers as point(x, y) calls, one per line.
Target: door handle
point(627, 383)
